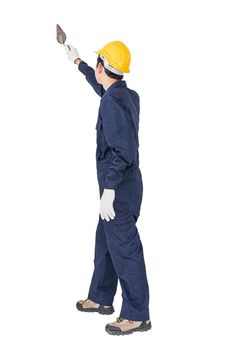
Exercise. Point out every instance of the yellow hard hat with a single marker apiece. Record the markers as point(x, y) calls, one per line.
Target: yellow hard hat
point(117, 56)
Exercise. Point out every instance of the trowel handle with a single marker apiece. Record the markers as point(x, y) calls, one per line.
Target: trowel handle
point(67, 46)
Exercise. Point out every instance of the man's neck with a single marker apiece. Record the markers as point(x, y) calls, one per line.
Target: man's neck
point(108, 83)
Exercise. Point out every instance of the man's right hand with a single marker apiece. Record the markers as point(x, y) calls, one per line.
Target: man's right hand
point(72, 53)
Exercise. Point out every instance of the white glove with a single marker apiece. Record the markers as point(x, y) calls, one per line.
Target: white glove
point(106, 205)
point(72, 53)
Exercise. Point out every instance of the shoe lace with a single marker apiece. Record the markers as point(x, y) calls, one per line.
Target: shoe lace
point(119, 320)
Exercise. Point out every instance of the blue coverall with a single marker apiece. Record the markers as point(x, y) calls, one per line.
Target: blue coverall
point(118, 249)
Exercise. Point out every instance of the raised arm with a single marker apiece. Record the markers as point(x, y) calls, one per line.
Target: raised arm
point(73, 55)
point(90, 76)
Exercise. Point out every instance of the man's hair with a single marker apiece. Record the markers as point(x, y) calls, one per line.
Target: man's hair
point(109, 73)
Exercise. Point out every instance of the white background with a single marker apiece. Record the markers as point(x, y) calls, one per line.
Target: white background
point(190, 67)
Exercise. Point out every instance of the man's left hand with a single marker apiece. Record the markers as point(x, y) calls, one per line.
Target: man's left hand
point(106, 205)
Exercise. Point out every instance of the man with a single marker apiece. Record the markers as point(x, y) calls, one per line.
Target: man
point(118, 249)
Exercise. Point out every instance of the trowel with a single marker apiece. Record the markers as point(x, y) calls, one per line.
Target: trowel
point(61, 36)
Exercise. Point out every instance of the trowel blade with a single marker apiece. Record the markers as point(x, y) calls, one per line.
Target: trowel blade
point(60, 35)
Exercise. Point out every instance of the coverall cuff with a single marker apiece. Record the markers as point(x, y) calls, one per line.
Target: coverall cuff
point(82, 66)
point(102, 300)
point(110, 185)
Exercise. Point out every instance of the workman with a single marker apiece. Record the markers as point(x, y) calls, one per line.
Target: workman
point(118, 249)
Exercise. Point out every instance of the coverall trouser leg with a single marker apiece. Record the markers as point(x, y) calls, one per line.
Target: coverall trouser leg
point(119, 255)
point(104, 280)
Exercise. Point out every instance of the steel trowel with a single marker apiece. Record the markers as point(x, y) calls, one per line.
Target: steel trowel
point(61, 36)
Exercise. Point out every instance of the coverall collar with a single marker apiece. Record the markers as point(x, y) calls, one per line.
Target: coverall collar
point(118, 83)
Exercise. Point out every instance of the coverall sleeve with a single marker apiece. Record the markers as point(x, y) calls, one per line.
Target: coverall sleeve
point(90, 77)
point(120, 137)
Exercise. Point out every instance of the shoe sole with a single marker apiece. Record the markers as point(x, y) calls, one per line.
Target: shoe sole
point(145, 328)
point(100, 310)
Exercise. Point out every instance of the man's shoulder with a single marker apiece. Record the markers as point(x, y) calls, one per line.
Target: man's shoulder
point(109, 97)
point(109, 101)
point(120, 94)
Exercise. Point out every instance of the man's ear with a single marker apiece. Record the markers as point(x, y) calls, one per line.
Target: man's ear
point(100, 68)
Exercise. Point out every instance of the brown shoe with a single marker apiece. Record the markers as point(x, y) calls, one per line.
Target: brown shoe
point(90, 306)
point(124, 327)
